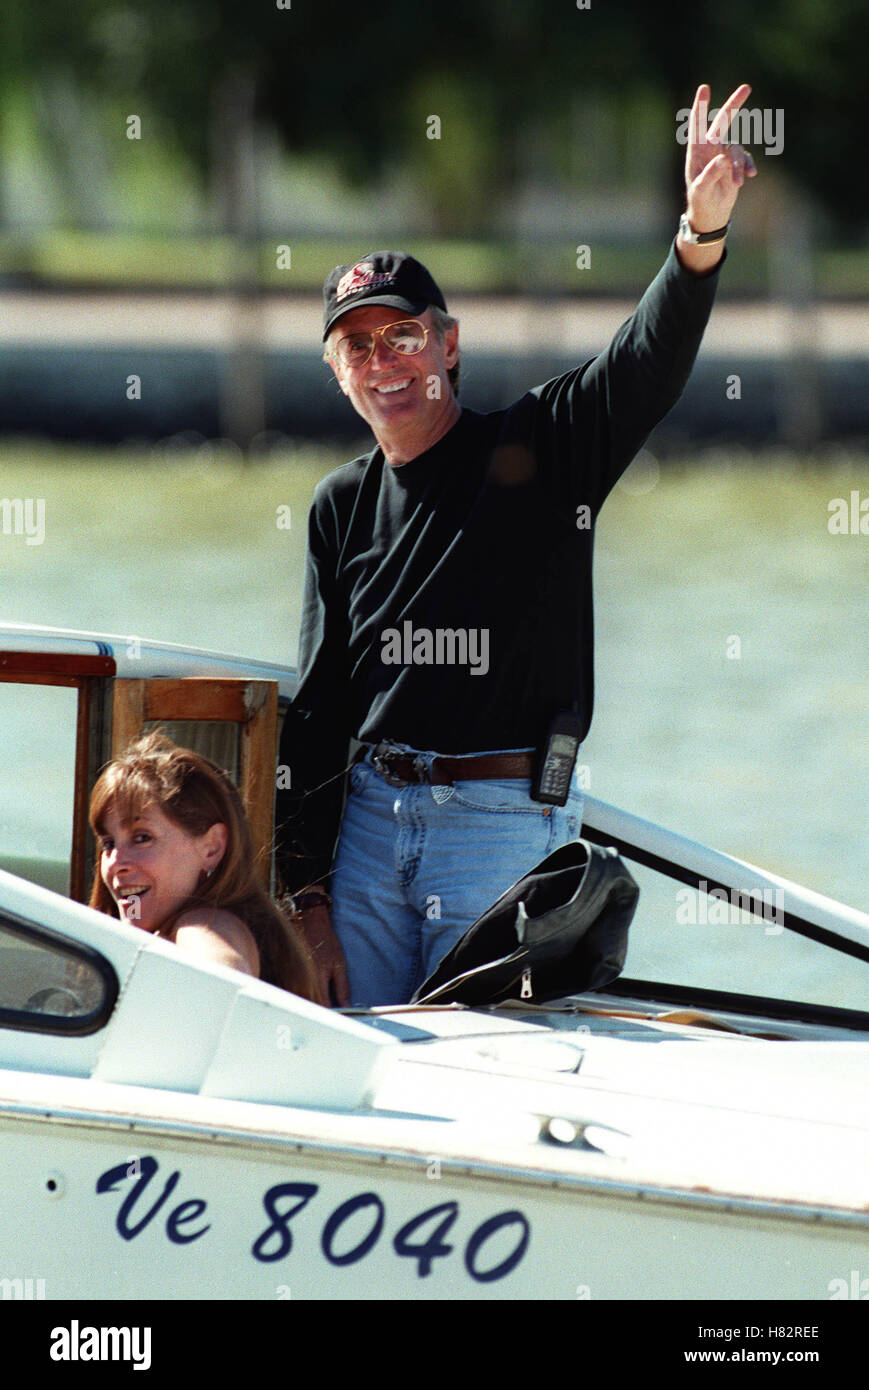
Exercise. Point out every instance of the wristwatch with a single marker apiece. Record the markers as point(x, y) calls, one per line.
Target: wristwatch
point(687, 233)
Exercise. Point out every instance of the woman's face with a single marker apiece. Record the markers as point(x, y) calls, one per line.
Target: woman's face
point(151, 865)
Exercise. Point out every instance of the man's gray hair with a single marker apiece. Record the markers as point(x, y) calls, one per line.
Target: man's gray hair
point(442, 322)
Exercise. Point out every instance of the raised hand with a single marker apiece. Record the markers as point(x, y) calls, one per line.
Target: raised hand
point(714, 171)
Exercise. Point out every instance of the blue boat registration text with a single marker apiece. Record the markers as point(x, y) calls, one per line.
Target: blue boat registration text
point(421, 1240)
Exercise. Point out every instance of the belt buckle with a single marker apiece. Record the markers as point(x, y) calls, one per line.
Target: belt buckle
point(380, 764)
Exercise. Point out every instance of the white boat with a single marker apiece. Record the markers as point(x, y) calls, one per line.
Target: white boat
point(168, 1126)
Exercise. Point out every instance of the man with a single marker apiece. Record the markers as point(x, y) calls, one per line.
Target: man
point(447, 619)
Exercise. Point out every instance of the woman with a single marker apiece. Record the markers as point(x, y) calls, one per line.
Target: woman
point(176, 859)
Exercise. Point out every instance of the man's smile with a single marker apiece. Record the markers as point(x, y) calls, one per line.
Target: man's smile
point(389, 387)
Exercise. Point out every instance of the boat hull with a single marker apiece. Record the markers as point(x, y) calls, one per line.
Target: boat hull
point(118, 1211)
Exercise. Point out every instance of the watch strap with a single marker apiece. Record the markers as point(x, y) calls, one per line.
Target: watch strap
point(687, 233)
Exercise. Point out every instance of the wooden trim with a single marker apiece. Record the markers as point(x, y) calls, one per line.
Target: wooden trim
point(201, 697)
point(259, 749)
point(78, 886)
point(128, 713)
point(97, 755)
point(52, 668)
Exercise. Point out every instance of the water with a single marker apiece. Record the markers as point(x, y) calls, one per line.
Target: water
point(732, 649)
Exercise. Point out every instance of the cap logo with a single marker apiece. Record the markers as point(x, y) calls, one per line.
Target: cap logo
point(360, 277)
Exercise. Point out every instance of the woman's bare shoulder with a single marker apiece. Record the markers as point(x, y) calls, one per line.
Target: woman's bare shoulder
point(220, 935)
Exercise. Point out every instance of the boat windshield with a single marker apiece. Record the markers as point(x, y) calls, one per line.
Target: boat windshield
point(714, 940)
point(49, 983)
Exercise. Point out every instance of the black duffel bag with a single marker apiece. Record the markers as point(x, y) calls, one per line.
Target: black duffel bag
point(562, 929)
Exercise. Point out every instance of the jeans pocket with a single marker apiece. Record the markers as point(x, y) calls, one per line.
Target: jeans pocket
point(500, 795)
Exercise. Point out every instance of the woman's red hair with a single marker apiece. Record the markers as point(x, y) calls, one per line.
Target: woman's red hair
point(195, 793)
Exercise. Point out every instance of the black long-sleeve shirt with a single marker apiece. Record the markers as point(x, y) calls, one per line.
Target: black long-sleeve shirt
point(489, 535)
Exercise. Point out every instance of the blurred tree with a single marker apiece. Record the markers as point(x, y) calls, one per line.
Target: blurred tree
point(807, 58)
point(359, 85)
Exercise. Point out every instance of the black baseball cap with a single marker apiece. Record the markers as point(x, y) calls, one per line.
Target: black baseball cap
point(391, 278)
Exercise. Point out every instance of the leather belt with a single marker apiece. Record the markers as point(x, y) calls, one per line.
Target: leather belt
point(401, 768)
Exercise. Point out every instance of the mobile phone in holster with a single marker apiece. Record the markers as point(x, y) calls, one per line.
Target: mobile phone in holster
point(557, 759)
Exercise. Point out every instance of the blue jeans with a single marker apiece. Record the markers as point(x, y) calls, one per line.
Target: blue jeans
point(416, 865)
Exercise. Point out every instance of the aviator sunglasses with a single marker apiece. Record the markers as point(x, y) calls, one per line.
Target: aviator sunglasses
point(406, 337)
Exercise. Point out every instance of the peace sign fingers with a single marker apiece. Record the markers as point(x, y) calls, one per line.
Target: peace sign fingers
point(705, 143)
point(718, 130)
